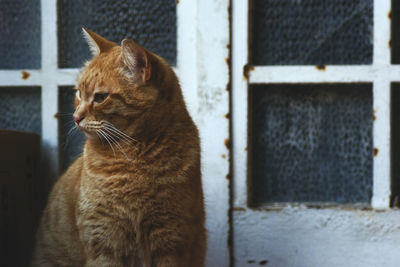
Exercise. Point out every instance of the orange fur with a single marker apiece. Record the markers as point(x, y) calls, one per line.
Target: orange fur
point(141, 204)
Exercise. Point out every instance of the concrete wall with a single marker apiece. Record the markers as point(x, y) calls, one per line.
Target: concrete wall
point(302, 237)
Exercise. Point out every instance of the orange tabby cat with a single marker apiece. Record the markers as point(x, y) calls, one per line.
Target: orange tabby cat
point(134, 198)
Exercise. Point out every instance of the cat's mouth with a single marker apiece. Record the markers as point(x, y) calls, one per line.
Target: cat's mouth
point(89, 128)
point(104, 130)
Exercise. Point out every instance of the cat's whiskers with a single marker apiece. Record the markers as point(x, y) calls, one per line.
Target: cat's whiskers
point(110, 125)
point(100, 138)
point(105, 137)
point(109, 132)
point(118, 135)
point(69, 135)
point(113, 140)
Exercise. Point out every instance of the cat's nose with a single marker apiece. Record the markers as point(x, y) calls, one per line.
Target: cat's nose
point(78, 118)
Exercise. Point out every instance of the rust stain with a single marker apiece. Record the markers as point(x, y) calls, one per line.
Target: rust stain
point(228, 176)
point(25, 75)
point(376, 150)
point(263, 262)
point(390, 43)
point(228, 46)
point(320, 67)
point(390, 14)
point(227, 115)
point(246, 70)
point(177, 1)
point(246, 149)
point(374, 115)
point(228, 61)
point(227, 143)
point(223, 156)
point(228, 86)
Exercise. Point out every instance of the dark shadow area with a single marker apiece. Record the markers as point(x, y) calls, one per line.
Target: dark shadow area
point(21, 196)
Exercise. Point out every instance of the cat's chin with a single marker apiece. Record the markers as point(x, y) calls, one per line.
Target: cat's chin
point(91, 136)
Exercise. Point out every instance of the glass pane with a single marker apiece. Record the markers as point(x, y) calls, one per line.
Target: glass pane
point(152, 23)
point(395, 144)
point(20, 109)
point(71, 140)
point(395, 40)
point(311, 143)
point(312, 32)
point(20, 34)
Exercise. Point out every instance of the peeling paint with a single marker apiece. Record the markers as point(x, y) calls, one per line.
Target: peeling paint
point(321, 67)
point(25, 75)
point(374, 115)
point(228, 86)
point(209, 99)
point(246, 71)
point(223, 156)
point(390, 14)
point(227, 115)
point(227, 143)
point(376, 151)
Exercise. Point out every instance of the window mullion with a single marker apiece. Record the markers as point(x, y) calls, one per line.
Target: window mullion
point(239, 100)
point(381, 106)
point(49, 85)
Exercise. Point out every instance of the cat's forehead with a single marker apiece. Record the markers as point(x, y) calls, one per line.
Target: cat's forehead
point(96, 76)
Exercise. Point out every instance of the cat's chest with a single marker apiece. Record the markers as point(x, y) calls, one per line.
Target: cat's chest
point(110, 217)
point(121, 196)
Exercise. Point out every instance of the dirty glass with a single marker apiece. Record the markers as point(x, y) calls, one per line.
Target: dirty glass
point(152, 23)
point(395, 144)
point(395, 40)
point(19, 44)
point(71, 140)
point(312, 32)
point(20, 109)
point(311, 143)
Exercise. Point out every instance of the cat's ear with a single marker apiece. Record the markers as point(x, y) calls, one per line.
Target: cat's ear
point(97, 43)
point(136, 59)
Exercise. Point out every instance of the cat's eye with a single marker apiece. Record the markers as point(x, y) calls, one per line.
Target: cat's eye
point(98, 97)
point(78, 94)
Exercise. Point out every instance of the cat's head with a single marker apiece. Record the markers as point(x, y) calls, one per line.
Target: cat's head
point(123, 91)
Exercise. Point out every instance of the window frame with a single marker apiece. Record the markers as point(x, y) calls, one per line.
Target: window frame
point(381, 73)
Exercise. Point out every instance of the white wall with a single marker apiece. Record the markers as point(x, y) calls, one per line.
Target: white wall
point(302, 237)
point(203, 50)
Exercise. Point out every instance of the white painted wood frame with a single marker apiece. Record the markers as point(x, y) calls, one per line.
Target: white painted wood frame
point(202, 50)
